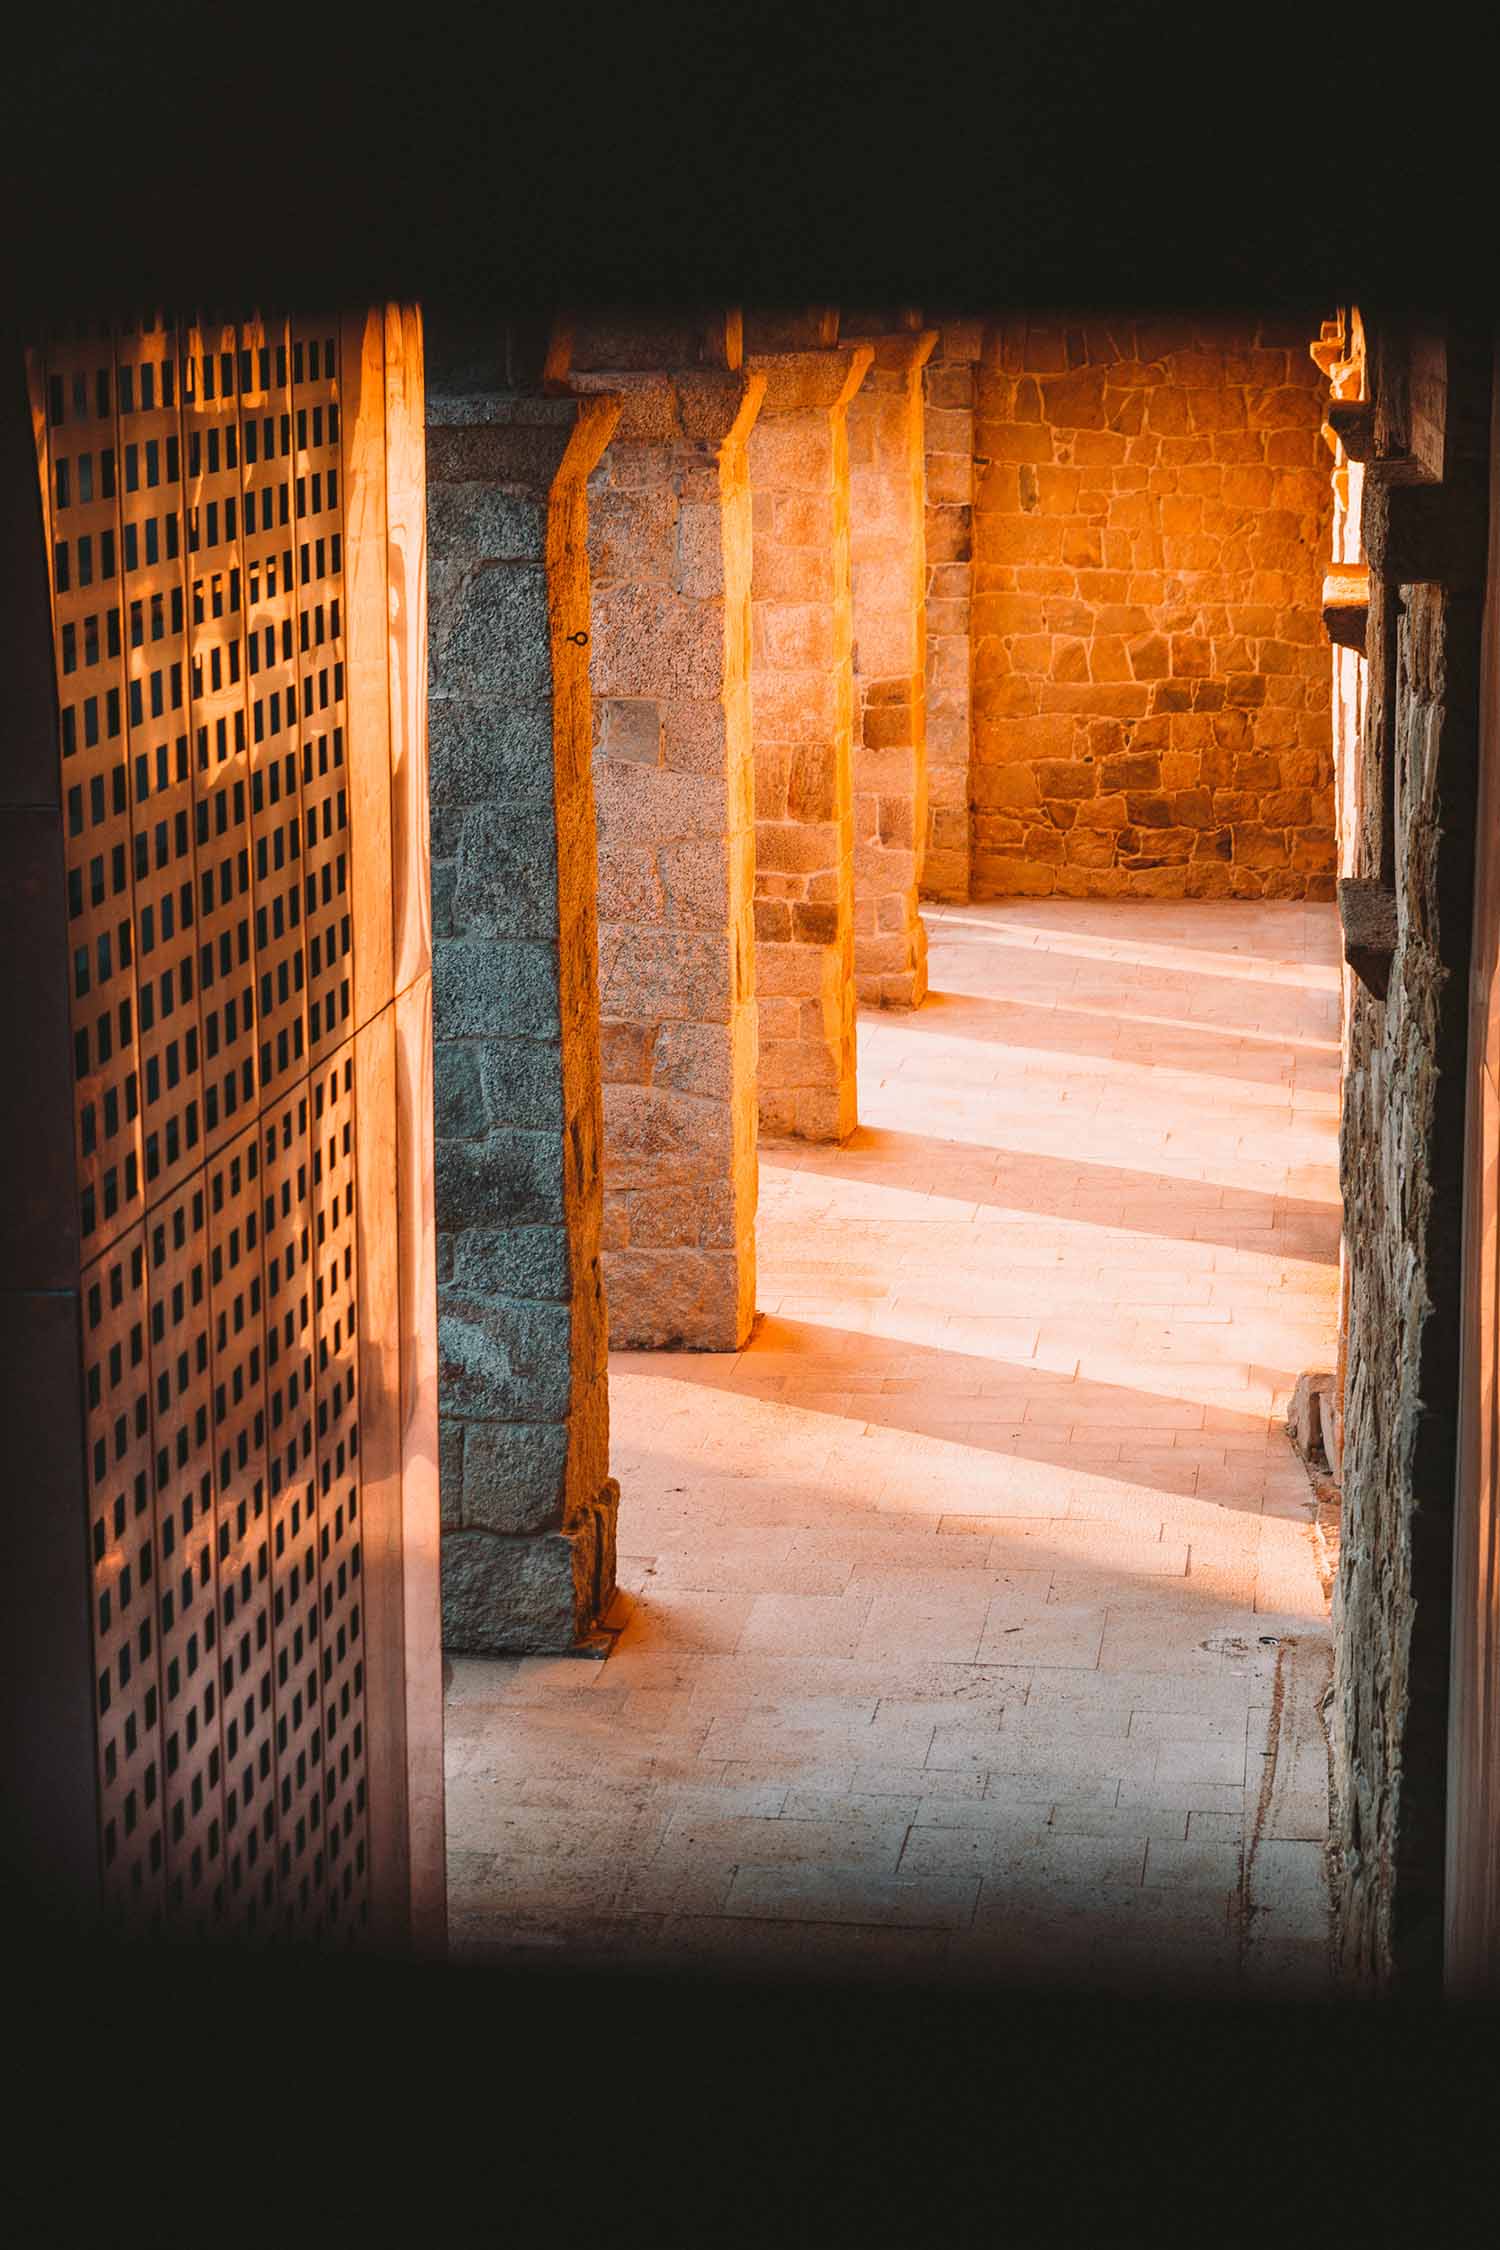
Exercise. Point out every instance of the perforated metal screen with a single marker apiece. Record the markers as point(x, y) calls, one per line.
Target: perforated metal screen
point(194, 489)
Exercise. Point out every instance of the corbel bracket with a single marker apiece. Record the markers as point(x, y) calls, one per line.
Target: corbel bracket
point(1346, 605)
point(1352, 421)
point(1367, 911)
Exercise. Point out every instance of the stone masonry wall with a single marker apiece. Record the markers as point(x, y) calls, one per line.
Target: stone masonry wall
point(1151, 691)
point(1400, 1403)
point(669, 550)
point(528, 1507)
point(1401, 1161)
point(890, 662)
point(802, 704)
point(949, 383)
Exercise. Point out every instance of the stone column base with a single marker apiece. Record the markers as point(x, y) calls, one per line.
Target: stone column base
point(505, 1595)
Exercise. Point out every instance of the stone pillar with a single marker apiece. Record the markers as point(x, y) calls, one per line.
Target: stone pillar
point(888, 550)
point(669, 545)
point(803, 696)
point(948, 383)
point(528, 1505)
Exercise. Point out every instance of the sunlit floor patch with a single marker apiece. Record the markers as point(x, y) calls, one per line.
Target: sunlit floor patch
point(957, 1605)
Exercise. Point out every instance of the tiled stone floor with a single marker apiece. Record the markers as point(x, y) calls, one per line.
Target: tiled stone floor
point(972, 1622)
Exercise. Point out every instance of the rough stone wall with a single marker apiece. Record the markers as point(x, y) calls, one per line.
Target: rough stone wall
point(1151, 691)
point(1340, 353)
point(528, 1508)
point(890, 661)
point(1398, 1428)
point(669, 552)
point(802, 704)
point(1401, 1159)
point(949, 382)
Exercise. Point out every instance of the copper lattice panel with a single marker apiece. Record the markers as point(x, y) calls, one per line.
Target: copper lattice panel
point(193, 484)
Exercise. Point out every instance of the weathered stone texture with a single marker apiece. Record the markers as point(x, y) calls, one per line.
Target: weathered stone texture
point(1398, 1427)
point(949, 384)
point(1339, 353)
point(1401, 1159)
point(528, 1506)
point(1151, 690)
point(802, 705)
point(888, 551)
point(669, 544)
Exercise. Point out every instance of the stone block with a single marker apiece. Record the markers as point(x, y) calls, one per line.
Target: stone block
point(656, 1136)
point(460, 1111)
point(509, 1179)
point(515, 1475)
point(1071, 777)
point(696, 735)
point(1103, 813)
point(648, 805)
point(798, 847)
point(649, 642)
point(825, 1113)
point(483, 989)
point(1192, 808)
point(488, 632)
point(793, 636)
point(625, 1053)
point(476, 520)
point(508, 877)
point(488, 752)
point(517, 1596)
point(530, 1262)
point(1256, 846)
point(694, 884)
point(792, 453)
point(633, 535)
point(668, 1218)
point(630, 727)
point(697, 1059)
point(503, 1361)
point(691, 1299)
point(648, 976)
point(630, 886)
point(1130, 769)
point(522, 1082)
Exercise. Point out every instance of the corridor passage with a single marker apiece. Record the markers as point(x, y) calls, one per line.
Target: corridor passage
point(974, 1621)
